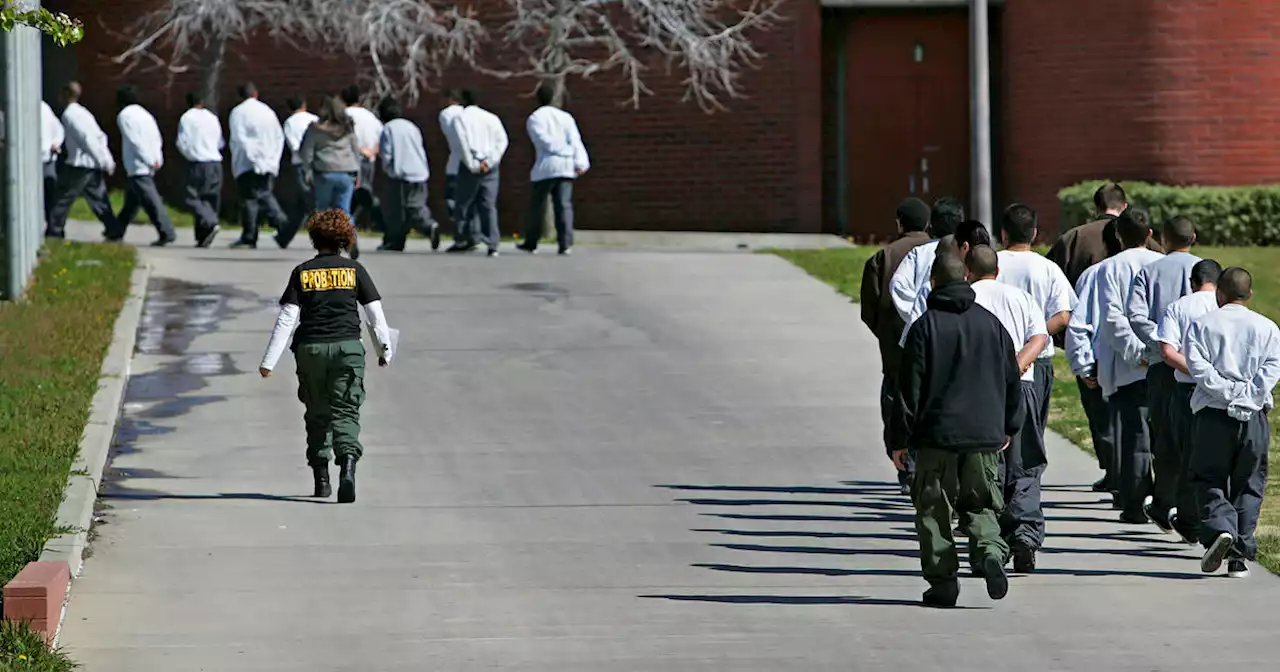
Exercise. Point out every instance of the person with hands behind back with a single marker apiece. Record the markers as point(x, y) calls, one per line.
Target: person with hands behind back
point(322, 300)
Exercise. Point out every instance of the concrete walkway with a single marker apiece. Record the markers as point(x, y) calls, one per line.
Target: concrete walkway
point(621, 460)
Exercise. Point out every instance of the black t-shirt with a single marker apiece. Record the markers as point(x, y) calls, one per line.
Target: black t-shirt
point(329, 289)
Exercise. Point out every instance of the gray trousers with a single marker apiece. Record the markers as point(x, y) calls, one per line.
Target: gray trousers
point(365, 198)
point(1022, 466)
point(50, 187)
point(560, 191)
point(1165, 463)
point(1181, 421)
point(1042, 369)
point(407, 207)
point(304, 203)
point(1102, 429)
point(888, 391)
point(1129, 407)
point(141, 194)
point(258, 199)
point(74, 182)
point(1229, 475)
point(480, 191)
point(465, 224)
point(204, 195)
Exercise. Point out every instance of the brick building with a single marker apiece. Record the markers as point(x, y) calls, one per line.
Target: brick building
point(858, 103)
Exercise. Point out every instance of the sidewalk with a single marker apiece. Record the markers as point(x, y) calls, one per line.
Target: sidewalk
point(614, 461)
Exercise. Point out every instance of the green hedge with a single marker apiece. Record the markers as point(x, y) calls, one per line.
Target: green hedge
point(1223, 215)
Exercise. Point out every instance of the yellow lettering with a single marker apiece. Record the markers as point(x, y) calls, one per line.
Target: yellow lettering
point(327, 279)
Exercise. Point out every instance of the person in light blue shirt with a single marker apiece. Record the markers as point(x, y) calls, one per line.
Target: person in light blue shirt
point(909, 286)
point(1083, 351)
point(1172, 486)
point(404, 159)
point(1233, 354)
point(1122, 365)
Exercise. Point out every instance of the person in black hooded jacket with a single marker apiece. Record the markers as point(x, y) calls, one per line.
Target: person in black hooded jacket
point(959, 401)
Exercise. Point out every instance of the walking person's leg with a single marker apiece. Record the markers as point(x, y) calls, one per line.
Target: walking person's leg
point(393, 239)
point(1022, 518)
point(71, 182)
point(1042, 371)
point(978, 500)
point(462, 234)
point(417, 213)
point(1165, 464)
point(1135, 451)
point(196, 200)
point(128, 211)
point(1102, 431)
point(538, 193)
point(466, 192)
point(346, 396)
point(486, 204)
point(562, 206)
point(96, 195)
point(1186, 520)
point(935, 487)
point(302, 207)
point(247, 185)
point(50, 188)
point(313, 392)
point(1249, 483)
point(149, 198)
point(275, 215)
point(1214, 443)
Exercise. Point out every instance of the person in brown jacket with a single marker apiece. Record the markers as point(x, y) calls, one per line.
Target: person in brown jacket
point(877, 305)
point(1088, 244)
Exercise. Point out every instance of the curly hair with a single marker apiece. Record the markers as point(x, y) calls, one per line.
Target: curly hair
point(331, 230)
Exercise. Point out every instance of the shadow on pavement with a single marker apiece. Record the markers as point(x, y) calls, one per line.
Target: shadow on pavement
point(795, 600)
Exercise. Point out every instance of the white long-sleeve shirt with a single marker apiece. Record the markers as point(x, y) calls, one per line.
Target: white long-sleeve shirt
point(481, 138)
point(1155, 288)
point(1177, 320)
point(1043, 280)
point(368, 127)
point(1082, 331)
point(86, 143)
point(295, 127)
point(1123, 365)
point(1233, 355)
point(143, 151)
point(51, 133)
point(909, 286)
point(287, 320)
point(1016, 310)
point(257, 139)
point(557, 144)
point(447, 117)
point(200, 136)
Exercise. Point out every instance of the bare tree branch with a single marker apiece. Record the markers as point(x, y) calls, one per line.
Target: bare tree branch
point(709, 41)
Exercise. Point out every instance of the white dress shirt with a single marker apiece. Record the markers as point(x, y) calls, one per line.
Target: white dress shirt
point(1043, 280)
point(86, 143)
point(557, 144)
point(51, 133)
point(1156, 286)
point(481, 138)
point(257, 140)
point(1016, 310)
point(368, 126)
point(909, 286)
point(1123, 365)
point(200, 136)
point(1177, 320)
point(294, 128)
point(1233, 354)
point(447, 116)
point(1081, 339)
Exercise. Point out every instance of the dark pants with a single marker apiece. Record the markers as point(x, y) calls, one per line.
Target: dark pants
point(304, 203)
point(480, 191)
point(1103, 430)
point(560, 190)
point(204, 195)
point(1022, 466)
point(50, 187)
point(331, 387)
point(1187, 523)
point(141, 193)
point(74, 182)
point(365, 198)
point(408, 210)
point(258, 199)
point(1129, 404)
point(1229, 475)
point(889, 390)
point(969, 482)
point(465, 224)
point(1043, 372)
point(1165, 463)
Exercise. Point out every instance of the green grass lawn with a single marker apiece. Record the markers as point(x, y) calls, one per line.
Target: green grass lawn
point(842, 268)
point(51, 350)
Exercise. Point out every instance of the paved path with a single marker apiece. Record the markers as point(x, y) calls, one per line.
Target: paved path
point(616, 461)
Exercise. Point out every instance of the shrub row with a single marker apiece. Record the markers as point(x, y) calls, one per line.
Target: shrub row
point(1223, 215)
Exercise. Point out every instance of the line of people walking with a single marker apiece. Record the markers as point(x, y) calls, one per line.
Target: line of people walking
point(1174, 371)
point(334, 153)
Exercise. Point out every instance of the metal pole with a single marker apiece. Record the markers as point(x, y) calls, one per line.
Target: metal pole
point(980, 114)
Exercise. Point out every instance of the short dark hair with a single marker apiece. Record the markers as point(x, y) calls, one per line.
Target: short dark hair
point(947, 214)
point(973, 233)
point(1133, 227)
point(546, 94)
point(1205, 272)
point(72, 90)
point(1236, 284)
point(351, 94)
point(295, 103)
point(982, 262)
point(389, 109)
point(247, 90)
point(913, 214)
point(1179, 232)
point(453, 94)
point(947, 269)
point(195, 98)
point(1109, 196)
point(1019, 223)
point(469, 97)
point(126, 95)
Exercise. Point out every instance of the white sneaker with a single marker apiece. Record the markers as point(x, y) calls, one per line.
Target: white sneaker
point(1236, 569)
point(1216, 553)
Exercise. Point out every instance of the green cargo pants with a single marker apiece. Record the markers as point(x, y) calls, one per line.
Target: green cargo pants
point(971, 483)
point(331, 386)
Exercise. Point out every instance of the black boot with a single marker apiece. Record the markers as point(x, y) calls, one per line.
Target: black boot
point(321, 474)
point(347, 481)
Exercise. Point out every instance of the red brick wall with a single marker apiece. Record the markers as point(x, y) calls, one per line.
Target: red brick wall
point(666, 166)
point(1179, 91)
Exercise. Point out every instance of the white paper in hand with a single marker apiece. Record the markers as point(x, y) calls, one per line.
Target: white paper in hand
point(385, 340)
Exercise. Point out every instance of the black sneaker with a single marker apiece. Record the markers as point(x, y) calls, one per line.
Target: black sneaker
point(566, 252)
point(244, 245)
point(207, 240)
point(1236, 569)
point(435, 236)
point(1131, 518)
point(942, 596)
point(1160, 521)
point(1216, 553)
point(493, 252)
point(960, 531)
point(389, 248)
point(459, 248)
point(1024, 559)
point(165, 241)
point(526, 248)
point(1101, 485)
point(997, 581)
